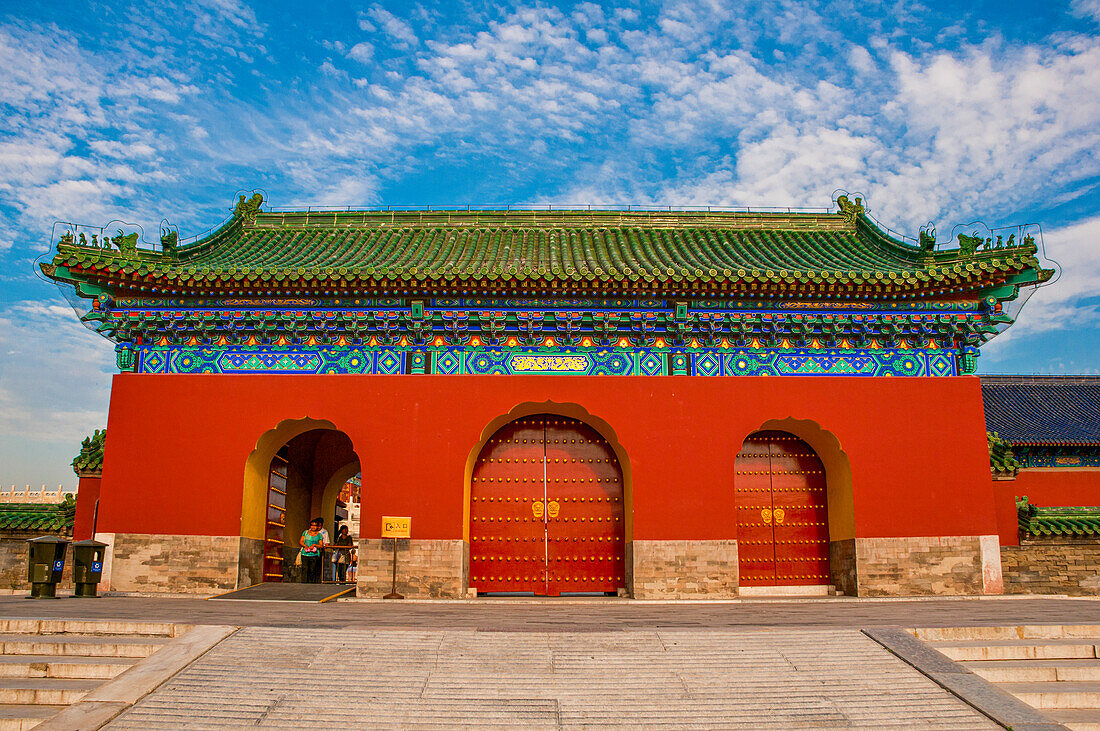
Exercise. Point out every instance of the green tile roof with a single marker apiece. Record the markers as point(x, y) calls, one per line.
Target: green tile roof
point(1048, 522)
point(548, 250)
point(1002, 461)
point(90, 459)
point(38, 517)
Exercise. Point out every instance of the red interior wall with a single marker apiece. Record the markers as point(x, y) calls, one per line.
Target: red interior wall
point(87, 492)
point(1045, 488)
point(175, 459)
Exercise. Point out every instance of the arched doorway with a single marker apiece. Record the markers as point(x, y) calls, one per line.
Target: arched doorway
point(304, 479)
point(782, 512)
point(547, 510)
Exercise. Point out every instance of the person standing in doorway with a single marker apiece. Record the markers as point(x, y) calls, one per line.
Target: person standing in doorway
point(342, 558)
point(312, 543)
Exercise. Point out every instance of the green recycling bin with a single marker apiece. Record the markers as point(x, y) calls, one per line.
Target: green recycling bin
point(87, 567)
point(45, 562)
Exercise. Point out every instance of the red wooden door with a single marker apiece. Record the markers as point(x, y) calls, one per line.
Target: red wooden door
point(782, 513)
point(546, 510)
point(584, 511)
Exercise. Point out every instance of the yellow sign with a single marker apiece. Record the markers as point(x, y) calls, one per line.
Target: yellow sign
point(393, 527)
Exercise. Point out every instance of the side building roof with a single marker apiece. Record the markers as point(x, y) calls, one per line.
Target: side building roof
point(1043, 410)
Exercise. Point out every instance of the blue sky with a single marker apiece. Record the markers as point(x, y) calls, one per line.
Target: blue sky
point(946, 112)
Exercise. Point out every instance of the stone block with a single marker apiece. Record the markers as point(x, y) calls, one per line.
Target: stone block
point(1047, 566)
point(437, 569)
point(183, 564)
point(683, 569)
point(930, 565)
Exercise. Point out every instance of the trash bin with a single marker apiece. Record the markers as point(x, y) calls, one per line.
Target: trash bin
point(45, 563)
point(87, 567)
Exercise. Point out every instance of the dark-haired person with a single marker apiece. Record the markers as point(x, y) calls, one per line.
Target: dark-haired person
point(342, 558)
point(313, 542)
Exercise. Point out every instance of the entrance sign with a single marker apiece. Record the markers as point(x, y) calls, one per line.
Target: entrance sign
point(394, 527)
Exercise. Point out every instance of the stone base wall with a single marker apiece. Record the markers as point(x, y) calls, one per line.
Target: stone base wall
point(683, 569)
point(173, 564)
point(437, 569)
point(842, 566)
point(1052, 567)
point(936, 565)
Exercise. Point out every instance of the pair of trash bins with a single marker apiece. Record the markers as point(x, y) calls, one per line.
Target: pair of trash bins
point(46, 561)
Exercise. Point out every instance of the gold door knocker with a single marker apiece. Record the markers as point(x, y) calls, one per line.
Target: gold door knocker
point(766, 514)
point(778, 514)
point(553, 508)
point(536, 509)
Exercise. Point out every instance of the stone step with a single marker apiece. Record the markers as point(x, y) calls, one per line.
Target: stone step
point(79, 645)
point(1077, 719)
point(1016, 632)
point(44, 691)
point(967, 650)
point(54, 666)
point(15, 717)
point(1061, 694)
point(1035, 671)
point(91, 627)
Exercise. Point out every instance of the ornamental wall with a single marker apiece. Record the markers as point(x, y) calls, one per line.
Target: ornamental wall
point(915, 447)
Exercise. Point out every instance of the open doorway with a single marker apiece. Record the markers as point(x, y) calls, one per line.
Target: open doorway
point(312, 475)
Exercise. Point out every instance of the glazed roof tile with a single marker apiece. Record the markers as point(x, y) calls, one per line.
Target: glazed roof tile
point(1039, 410)
point(50, 517)
point(1048, 522)
point(90, 459)
point(683, 249)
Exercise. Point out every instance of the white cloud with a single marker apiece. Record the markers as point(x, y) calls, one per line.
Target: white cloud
point(394, 26)
point(361, 52)
point(1086, 9)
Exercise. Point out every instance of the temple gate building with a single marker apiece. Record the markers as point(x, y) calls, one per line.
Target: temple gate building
point(663, 403)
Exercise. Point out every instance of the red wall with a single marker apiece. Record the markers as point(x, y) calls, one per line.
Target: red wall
point(175, 459)
point(1045, 488)
point(87, 492)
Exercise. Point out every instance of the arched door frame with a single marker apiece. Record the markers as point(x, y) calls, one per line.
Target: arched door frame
point(838, 485)
point(572, 411)
point(258, 464)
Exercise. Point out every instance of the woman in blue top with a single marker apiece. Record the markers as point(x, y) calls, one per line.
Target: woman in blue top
point(312, 541)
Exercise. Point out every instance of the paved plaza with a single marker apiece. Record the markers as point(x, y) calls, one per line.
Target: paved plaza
point(826, 663)
point(780, 679)
point(571, 614)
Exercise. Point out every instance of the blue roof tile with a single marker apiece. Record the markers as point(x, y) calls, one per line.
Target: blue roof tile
point(1043, 409)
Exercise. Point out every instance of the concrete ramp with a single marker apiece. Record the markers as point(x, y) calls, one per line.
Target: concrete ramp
point(287, 592)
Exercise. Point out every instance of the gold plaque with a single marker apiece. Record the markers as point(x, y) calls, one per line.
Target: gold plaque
point(536, 508)
point(553, 508)
point(395, 527)
point(766, 515)
point(778, 514)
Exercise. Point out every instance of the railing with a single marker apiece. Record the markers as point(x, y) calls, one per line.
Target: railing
point(27, 495)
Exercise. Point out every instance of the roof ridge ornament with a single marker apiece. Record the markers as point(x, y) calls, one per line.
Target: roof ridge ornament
point(248, 209)
point(851, 211)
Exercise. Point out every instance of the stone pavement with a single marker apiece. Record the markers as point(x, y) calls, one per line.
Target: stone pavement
point(270, 677)
point(572, 615)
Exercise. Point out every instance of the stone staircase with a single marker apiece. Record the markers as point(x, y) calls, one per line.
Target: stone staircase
point(1054, 668)
point(47, 665)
